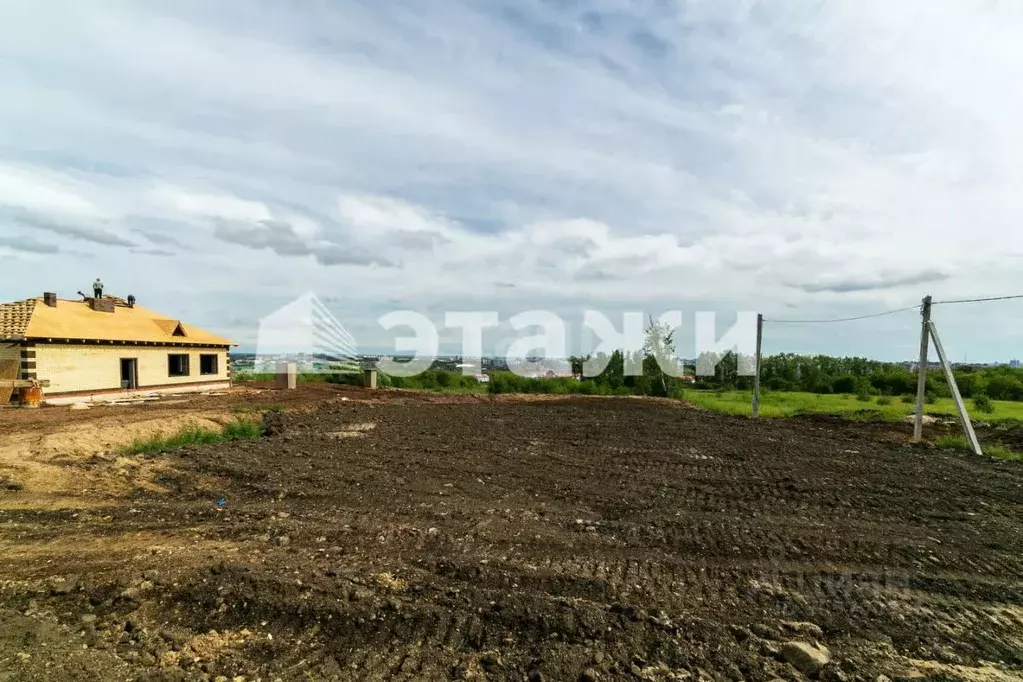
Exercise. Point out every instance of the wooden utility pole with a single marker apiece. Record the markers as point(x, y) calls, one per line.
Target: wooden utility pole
point(756, 377)
point(964, 417)
point(921, 380)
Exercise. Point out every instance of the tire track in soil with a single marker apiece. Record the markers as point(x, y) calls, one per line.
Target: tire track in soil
point(618, 535)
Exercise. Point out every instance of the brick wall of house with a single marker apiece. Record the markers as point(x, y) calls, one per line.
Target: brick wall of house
point(10, 351)
point(74, 368)
point(10, 368)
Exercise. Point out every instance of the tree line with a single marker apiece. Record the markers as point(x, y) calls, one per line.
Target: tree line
point(824, 374)
point(821, 374)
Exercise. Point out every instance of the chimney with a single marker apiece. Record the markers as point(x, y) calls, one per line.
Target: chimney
point(102, 305)
point(50, 299)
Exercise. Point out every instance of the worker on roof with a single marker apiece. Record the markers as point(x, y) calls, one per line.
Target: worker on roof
point(97, 288)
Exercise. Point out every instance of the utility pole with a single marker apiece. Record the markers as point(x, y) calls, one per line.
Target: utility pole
point(756, 377)
point(921, 380)
point(950, 377)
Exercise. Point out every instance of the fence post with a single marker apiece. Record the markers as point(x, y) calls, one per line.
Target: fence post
point(964, 417)
point(756, 377)
point(921, 380)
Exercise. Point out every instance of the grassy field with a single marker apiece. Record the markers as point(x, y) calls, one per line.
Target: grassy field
point(790, 404)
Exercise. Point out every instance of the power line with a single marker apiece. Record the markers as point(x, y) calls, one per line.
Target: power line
point(844, 319)
point(980, 300)
point(893, 312)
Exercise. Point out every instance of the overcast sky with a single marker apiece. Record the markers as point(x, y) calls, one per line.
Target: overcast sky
point(802, 158)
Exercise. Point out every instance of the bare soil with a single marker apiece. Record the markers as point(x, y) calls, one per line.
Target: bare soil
point(396, 536)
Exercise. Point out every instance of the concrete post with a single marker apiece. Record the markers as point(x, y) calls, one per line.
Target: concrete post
point(921, 380)
point(286, 376)
point(369, 378)
point(756, 377)
point(950, 377)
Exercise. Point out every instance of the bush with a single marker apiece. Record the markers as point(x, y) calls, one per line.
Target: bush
point(884, 400)
point(930, 398)
point(909, 399)
point(822, 387)
point(779, 384)
point(863, 391)
point(984, 404)
point(847, 383)
point(1005, 387)
point(344, 378)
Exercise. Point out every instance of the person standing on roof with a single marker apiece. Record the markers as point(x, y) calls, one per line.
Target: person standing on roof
point(97, 288)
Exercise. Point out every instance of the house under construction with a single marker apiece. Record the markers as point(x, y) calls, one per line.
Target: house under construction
point(104, 346)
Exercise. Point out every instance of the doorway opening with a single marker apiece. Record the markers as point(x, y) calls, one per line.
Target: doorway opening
point(129, 373)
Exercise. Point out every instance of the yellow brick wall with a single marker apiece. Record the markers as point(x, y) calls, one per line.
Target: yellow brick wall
point(10, 352)
point(73, 368)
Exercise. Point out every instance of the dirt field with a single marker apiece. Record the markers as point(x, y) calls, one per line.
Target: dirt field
point(387, 536)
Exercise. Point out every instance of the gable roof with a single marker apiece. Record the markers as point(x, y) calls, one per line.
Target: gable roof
point(172, 327)
point(33, 319)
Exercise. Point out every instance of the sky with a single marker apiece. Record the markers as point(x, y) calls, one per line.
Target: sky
point(802, 159)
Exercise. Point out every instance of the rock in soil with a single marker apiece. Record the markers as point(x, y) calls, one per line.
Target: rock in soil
point(806, 658)
point(810, 630)
point(273, 423)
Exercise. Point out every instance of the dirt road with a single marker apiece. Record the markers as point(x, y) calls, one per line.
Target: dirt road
point(562, 540)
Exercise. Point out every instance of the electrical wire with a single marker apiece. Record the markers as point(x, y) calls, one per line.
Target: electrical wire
point(844, 319)
point(978, 300)
point(892, 312)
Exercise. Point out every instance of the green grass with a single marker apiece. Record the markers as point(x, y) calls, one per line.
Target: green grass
point(993, 450)
point(193, 434)
point(242, 429)
point(791, 404)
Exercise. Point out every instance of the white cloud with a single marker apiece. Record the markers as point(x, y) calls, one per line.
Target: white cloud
point(223, 206)
point(45, 191)
point(816, 160)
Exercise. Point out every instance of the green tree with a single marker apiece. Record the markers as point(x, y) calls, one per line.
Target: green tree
point(659, 349)
point(577, 362)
